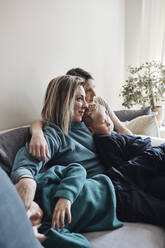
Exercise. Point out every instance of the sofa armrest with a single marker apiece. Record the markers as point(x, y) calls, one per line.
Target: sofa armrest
point(155, 140)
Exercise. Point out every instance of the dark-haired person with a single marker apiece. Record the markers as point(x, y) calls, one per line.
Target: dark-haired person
point(38, 145)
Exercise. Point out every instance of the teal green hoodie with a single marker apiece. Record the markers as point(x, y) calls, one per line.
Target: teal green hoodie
point(93, 204)
point(77, 147)
point(93, 200)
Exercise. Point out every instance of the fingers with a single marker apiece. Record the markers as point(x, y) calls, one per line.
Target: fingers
point(47, 152)
point(62, 208)
point(69, 215)
point(55, 219)
point(32, 151)
point(62, 219)
point(42, 154)
point(39, 152)
point(35, 218)
point(59, 216)
point(38, 147)
point(35, 151)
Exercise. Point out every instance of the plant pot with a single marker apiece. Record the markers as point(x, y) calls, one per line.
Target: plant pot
point(160, 114)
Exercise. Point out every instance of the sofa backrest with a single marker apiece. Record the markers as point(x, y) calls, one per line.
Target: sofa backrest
point(10, 143)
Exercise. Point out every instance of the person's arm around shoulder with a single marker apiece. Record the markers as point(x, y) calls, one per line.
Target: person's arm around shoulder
point(118, 126)
point(38, 146)
point(25, 167)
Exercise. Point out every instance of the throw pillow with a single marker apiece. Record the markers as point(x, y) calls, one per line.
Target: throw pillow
point(128, 115)
point(145, 125)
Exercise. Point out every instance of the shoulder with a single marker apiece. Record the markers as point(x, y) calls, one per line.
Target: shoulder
point(53, 134)
point(52, 129)
point(103, 102)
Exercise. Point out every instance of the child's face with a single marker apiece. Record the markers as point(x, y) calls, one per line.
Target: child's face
point(101, 122)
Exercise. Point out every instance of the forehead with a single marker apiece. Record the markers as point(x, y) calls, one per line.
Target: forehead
point(100, 113)
point(89, 84)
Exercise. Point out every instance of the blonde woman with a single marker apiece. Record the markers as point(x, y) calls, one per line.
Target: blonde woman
point(58, 107)
point(69, 200)
point(38, 146)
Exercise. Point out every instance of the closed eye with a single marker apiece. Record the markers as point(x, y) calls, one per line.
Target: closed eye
point(79, 98)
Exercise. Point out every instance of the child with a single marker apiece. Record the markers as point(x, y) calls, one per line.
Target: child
point(96, 119)
point(131, 161)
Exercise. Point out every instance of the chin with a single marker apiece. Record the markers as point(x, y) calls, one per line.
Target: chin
point(78, 119)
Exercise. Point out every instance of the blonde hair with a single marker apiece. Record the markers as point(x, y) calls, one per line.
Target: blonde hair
point(89, 114)
point(58, 101)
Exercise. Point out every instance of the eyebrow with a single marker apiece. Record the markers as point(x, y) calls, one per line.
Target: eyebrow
point(80, 95)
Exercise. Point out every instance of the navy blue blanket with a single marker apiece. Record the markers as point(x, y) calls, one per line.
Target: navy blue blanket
point(130, 160)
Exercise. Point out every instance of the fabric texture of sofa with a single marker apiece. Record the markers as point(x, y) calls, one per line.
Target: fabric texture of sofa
point(140, 122)
point(130, 235)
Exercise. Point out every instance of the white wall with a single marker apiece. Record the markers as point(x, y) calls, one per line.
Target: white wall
point(42, 39)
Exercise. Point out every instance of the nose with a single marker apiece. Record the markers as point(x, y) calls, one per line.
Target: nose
point(108, 123)
point(93, 92)
point(85, 104)
point(91, 96)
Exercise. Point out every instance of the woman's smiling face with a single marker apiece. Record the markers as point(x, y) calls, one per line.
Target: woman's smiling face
point(80, 104)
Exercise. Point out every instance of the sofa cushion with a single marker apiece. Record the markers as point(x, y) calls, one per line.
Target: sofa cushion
point(145, 125)
point(10, 143)
point(130, 114)
point(130, 235)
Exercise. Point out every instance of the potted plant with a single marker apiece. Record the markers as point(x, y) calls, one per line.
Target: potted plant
point(145, 86)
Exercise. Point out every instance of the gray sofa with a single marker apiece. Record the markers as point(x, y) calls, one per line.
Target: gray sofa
point(130, 235)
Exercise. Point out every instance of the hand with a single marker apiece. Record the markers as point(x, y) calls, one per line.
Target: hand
point(38, 147)
point(39, 236)
point(26, 189)
point(62, 208)
point(35, 214)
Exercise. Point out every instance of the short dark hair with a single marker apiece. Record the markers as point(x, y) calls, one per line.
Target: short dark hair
point(80, 73)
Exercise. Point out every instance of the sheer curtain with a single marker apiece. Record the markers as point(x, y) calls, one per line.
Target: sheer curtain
point(144, 31)
point(152, 31)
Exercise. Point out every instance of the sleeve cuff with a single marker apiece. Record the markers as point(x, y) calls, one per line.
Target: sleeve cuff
point(16, 174)
point(65, 194)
